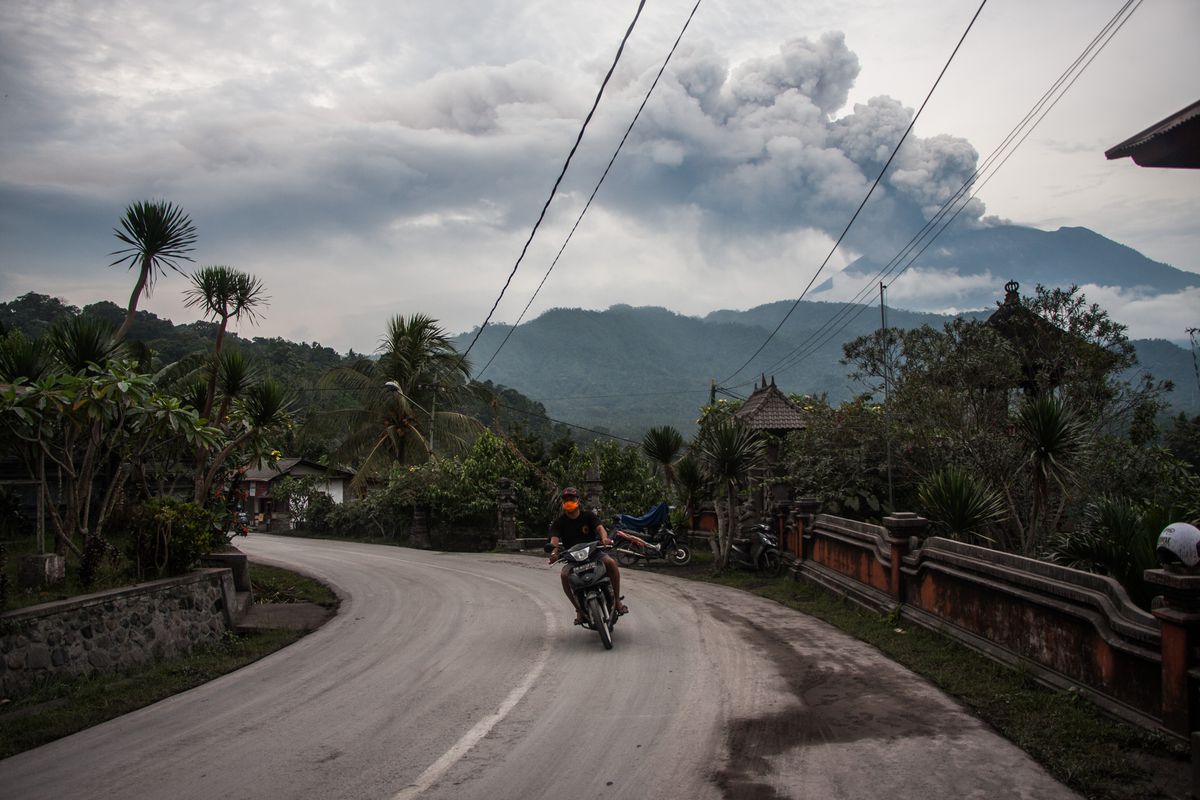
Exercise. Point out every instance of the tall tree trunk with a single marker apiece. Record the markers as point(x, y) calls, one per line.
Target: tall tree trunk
point(138, 286)
point(200, 483)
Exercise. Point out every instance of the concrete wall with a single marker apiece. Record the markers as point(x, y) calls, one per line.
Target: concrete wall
point(113, 630)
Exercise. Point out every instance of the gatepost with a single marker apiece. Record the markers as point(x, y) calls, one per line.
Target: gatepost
point(506, 515)
point(1179, 616)
point(804, 511)
point(902, 528)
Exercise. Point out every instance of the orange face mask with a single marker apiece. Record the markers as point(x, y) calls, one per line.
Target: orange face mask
point(570, 505)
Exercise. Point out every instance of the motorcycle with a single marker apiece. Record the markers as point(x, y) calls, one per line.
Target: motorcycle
point(589, 581)
point(649, 536)
point(759, 551)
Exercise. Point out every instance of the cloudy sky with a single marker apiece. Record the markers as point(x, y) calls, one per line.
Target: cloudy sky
point(367, 159)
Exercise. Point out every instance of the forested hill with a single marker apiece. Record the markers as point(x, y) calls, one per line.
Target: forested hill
point(626, 369)
point(299, 365)
point(622, 370)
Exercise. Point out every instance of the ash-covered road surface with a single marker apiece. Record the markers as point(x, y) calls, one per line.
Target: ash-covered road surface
point(461, 676)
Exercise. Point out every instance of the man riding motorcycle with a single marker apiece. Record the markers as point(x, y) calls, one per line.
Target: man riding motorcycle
point(576, 525)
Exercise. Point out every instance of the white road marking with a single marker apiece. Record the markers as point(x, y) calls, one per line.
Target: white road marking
point(434, 772)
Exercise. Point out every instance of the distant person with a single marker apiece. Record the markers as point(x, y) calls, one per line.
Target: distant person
point(576, 525)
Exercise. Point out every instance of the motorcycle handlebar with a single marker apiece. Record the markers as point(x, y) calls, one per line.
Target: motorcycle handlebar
point(556, 552)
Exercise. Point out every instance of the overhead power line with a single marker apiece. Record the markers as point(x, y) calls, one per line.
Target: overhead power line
point(588, 205)
point(861, 205)
point(568, 424)
point(558, 180)
point(952, 206)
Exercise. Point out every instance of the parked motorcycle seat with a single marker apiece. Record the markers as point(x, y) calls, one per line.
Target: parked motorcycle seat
point(653, 518)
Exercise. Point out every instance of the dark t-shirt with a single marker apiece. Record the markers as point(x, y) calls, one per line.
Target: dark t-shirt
point(574, 531)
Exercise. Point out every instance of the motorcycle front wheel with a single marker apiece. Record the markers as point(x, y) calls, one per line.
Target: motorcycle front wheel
point(680, 555)
point(596, 615)
point(625, 557)
point(769, 563)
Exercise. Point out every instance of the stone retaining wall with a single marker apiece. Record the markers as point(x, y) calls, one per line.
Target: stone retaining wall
point(113, 630)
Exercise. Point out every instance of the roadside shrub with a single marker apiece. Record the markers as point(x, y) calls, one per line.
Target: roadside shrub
point(317, 512)
point(169, 536)
point(352, 518)
point(96, 549)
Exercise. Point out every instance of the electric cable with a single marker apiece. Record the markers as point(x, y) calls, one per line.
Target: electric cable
point(588, 205)
point(861, 205)
point(932, 223)
point(851, 310)
point(557, 181)
point(568, 424)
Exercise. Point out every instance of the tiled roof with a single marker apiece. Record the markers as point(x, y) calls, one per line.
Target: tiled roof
point(283, 466)
point(1172, 142)
point(768, 409)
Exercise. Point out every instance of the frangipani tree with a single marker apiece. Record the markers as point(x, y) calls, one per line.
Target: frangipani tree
point(71, 429)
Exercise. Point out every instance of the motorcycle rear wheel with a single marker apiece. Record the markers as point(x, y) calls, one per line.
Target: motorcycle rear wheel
point(680, 555)
point(769, 563)
point(596, 615)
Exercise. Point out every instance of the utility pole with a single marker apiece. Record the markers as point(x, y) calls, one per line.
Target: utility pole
point(712, 391)
point(432, 418)
point(887, 427)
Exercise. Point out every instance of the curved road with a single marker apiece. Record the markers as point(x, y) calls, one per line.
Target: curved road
point(461, 676)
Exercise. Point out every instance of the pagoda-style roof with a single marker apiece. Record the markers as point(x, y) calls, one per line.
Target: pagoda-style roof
point(1034, 339)
point(1018, 324)
point(768, 409)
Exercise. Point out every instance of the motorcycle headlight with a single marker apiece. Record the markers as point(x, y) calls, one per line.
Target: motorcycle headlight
point(581, 554)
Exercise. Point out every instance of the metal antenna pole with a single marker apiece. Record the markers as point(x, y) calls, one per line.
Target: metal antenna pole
point(887, 426)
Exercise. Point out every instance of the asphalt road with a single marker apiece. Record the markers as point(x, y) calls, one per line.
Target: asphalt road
point(461, 676)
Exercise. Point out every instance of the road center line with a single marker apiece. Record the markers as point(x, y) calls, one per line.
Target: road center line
point(434, 772)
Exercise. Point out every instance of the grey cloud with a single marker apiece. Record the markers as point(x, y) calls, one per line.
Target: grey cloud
point(823, 71)
point(757, 146)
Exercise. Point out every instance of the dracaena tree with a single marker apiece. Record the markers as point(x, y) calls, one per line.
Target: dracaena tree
point(728, 453)
point(222, 294)
point(157, 234)
point(663, 445)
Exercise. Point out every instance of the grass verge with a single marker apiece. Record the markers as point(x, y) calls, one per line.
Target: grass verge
point(62, 707)
point(275, 585)
point(1101, 757)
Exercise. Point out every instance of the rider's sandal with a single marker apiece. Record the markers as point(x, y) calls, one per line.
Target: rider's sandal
point(622, 609)
point(579, 619)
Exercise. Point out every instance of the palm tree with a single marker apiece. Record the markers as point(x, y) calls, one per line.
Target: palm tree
point(1054, 440)
point(728, 452)
point(961, 503)
point(405, 399)
point(662, 446)
point(158, 234)
point(223, 293)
